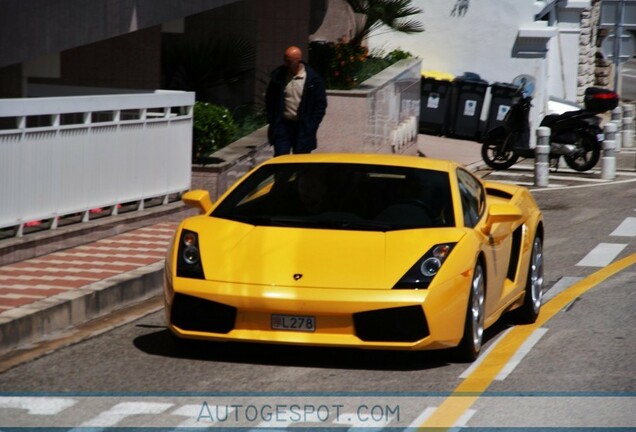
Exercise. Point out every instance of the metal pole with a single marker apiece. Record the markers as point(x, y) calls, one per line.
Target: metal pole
point(608, 167)
point(628, 126)
point(617, 119)
point(618, 36)
point(542, 157)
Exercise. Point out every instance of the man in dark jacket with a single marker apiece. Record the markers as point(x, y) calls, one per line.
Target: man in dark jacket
point(296, 102)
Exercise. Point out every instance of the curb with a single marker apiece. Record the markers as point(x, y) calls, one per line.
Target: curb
point(25, 325)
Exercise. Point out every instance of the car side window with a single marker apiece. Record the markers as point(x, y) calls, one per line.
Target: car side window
point(473, 197)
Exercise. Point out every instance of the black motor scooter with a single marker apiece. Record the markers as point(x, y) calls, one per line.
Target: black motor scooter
point(575, 135)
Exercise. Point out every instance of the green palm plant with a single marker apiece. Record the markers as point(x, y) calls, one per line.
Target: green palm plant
point(394, 14)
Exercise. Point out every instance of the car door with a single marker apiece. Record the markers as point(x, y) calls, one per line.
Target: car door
point(496, 244)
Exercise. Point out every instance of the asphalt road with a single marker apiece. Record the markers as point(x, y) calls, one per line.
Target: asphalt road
point(576, 370)
point(628, 78)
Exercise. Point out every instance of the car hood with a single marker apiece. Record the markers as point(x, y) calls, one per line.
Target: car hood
point(281, 256)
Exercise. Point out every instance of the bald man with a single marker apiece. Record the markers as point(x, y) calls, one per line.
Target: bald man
point(296, 102)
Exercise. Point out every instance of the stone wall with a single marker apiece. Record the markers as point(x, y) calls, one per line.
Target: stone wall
point(231, 163)
point(587, 50)
point(375, 117)
point(594, 69)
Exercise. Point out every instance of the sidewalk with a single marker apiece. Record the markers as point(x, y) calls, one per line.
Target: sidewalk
point(44, 294)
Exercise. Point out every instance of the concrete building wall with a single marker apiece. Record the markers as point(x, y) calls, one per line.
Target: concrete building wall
point(500, 40)
point(131, 61)
point(35, 28)
point(482, 39)
point(281, 23)
point(118, 45)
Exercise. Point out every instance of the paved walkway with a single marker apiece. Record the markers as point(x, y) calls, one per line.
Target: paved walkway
point(31, 281)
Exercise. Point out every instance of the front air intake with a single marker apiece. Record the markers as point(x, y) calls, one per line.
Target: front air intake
point(401, 324)
point(196, 314)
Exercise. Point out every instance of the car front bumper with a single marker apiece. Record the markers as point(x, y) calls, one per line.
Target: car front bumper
point(377, 319)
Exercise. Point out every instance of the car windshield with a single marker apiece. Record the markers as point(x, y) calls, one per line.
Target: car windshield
point(341, 196)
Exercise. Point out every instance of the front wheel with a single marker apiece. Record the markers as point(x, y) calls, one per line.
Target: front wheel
point(497, 152)
point(587, 154)
point(529, 311)
point(470, 345)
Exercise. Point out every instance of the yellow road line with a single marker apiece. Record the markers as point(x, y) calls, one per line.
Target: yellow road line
point(467, 393)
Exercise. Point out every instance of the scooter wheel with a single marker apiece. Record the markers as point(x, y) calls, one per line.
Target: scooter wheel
point(586, 156)
point(497, 154)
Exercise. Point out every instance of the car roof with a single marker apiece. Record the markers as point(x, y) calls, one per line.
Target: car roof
point(369, 158)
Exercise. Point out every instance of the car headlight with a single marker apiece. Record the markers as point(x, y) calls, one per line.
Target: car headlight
point(189, 256)
point(422, 273)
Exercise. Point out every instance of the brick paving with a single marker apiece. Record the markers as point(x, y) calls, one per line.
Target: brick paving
point(35, 279)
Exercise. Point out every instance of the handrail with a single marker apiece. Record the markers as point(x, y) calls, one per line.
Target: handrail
point(69, 158)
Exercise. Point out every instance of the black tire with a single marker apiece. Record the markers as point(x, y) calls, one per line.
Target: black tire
point(529, 311)
point(588, 155)
point(496, 151)
point(470, 346)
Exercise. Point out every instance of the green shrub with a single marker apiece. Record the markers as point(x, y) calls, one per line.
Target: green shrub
point(213, 128)
point(344, 65)
point(338, 63)
point(248, 119)
point(396, 55)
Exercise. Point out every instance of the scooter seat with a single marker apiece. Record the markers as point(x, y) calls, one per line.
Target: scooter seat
point(550, 119)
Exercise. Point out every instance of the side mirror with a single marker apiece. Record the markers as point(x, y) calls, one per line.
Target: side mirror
point(198, 198)
point(501, 213)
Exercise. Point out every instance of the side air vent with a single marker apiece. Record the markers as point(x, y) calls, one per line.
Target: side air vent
point(498, 193)
point(515, 253)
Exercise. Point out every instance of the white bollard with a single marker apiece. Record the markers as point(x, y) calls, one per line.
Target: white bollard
point(608, 161)
point(542, 157)
point(628, 126)
point(617, 119)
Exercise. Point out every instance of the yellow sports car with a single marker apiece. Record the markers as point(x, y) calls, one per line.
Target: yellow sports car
point(356, 250)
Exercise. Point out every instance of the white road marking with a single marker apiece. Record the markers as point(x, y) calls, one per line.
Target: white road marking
point(192, 412)
point(602, 255)
point(561, 285)
point(585, 185)
point(37, 405)
point(626, 229)
point(482, 356)
point(526, 174)
point(346, 418)
point(117, 413)
point(463, 420)
point(419, 421)
point(521, 353)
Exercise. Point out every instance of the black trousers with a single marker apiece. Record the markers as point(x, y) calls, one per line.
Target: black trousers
point(286, 139)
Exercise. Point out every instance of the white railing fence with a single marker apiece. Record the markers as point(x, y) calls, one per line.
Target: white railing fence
point(64, 157)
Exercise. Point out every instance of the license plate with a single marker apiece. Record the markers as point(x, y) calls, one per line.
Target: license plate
point(600, 137)
point(294, 322)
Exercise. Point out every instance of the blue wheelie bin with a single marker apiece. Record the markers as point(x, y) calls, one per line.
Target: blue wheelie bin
point(435, 101)
point(502, 95)
point(468, 101)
